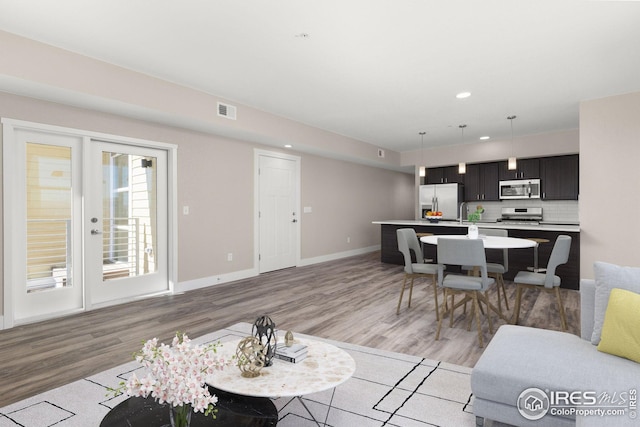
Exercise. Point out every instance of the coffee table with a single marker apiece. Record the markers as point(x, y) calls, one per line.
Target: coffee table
point(325, 367)
point(233, 411)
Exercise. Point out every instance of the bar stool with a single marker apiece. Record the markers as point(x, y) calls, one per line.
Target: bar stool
point(419, 235)
point(535, 268)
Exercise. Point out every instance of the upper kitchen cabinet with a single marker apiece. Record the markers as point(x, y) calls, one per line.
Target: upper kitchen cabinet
point(481, 182)
point(526, 169)
point(444, 175)
point(560, 177)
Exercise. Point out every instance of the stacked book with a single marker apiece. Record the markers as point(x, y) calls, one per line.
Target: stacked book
point(294, 353)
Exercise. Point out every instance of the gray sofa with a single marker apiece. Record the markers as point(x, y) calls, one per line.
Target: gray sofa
point(519, 358)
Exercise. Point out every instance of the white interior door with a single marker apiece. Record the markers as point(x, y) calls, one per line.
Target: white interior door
point(126, 222)
point(278, 217)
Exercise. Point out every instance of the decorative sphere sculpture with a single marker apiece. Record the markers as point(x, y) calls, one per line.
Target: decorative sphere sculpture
point(265, 331)
point(251, 358)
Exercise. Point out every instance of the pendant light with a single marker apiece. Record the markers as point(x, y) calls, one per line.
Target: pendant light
point(423, 170)
point(512, 164)
point(462, 166)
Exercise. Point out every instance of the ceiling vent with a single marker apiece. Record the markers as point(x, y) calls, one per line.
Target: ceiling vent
point(226, 110)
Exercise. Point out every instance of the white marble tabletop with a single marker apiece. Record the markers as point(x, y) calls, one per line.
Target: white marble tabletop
point(490, 242)
point(326, 366)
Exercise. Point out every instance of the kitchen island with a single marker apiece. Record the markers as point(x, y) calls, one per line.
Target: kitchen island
point(519, 259)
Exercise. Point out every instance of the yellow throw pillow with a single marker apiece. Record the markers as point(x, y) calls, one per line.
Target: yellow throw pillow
point(621, 327)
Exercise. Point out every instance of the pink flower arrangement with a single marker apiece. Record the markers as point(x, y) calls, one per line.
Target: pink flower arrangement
point(176, 374)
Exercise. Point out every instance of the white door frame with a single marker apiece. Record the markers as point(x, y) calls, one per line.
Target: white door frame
point(10, 194)
point(256, 202)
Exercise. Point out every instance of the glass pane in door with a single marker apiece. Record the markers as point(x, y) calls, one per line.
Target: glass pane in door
point(49, 207)
point(129, 215)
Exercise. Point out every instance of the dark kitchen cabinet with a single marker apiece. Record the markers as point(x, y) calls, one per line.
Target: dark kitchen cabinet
point(526, 169)
point(481, 182)
point(434, 176)
point(443, 175)
point(559, 177)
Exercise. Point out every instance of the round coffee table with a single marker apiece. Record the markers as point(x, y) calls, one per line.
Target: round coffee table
point(233, 411)
point(325, 367)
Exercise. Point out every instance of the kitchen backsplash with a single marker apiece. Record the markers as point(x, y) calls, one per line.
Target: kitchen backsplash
point(561, 211)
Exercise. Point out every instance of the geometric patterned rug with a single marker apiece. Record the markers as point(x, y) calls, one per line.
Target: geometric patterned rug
point(388, 389)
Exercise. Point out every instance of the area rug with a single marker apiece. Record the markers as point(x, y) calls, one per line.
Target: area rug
point(387, 389)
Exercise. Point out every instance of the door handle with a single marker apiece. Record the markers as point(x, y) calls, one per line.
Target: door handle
point(95, 232)
point(294, 220)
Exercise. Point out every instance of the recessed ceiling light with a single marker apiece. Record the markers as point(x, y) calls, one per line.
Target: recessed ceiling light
point(288, 146)
point(463, 95)
point(484, 138)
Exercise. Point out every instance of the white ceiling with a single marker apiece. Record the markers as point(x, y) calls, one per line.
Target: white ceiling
point(376, 70)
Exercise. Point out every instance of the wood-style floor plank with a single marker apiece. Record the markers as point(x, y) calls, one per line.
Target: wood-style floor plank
point(352, 300)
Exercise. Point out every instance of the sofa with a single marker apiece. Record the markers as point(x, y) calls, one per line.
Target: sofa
point(520, 362)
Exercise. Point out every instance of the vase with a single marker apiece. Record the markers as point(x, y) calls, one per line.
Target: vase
point(180, 416)
point(473, 231)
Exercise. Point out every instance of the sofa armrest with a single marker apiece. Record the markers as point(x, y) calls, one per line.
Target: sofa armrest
point(587, 307)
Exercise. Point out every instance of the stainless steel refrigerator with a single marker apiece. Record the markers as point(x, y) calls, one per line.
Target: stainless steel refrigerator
point(445, 198)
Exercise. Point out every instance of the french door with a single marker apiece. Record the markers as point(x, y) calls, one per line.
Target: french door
point(43, 251)
point(125, 222)
point(86, 222)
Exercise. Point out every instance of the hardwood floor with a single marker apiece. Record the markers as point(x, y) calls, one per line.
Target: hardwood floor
point(352, 300)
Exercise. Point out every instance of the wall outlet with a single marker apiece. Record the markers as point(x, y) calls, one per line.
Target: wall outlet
point(229, 256)
point(348, 239)
point(185, 210)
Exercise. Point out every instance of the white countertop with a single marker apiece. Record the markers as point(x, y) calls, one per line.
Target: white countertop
point(426, 223)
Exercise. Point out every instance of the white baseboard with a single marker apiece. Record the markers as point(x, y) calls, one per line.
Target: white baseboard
point(337, 255)
point(204, 282)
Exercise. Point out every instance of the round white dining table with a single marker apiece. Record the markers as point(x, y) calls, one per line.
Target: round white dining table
point(490, 242)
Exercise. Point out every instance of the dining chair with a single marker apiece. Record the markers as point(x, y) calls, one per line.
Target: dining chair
point(464, 252)
point(408, 243)
point(547, 281)
point(494, 269)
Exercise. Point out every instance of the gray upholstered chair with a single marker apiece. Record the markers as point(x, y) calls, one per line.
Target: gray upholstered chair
point(407, 243)
point(464, 252)
point(547, 281)
point(497, 270)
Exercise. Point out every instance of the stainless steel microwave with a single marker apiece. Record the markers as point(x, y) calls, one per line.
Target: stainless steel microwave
point(520, 189)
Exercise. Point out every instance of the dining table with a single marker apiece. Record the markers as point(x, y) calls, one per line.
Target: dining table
point(489, 242)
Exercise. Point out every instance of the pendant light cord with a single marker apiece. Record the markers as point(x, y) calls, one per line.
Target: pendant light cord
point(422, 151)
